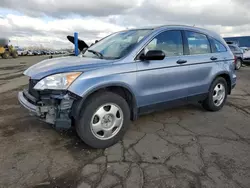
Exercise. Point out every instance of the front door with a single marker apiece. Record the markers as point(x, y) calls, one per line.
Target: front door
point(163, 81)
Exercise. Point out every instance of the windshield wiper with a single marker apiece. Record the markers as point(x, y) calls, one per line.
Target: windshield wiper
point(99, 54)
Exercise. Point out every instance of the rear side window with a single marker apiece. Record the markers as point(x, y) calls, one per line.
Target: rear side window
point(197, 43)
point(218, 47)
point(170, 42)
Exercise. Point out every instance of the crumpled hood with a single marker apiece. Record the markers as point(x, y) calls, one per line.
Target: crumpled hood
point(63, 64)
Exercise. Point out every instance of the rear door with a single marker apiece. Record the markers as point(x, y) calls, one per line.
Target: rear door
point(201, 61)
point(161, 81)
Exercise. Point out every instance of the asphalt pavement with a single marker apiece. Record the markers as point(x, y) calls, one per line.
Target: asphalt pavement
point(185, 147)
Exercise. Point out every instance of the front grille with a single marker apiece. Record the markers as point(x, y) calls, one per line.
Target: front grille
point(29, 97)
point(32, 91)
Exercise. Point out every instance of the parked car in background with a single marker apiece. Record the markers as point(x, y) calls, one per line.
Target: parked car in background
point(36, 52)
point(22, 52)
point(127, 74)
point(30, 52)
point(47, 52)
point(43, 52)
point(246, 57)
point(244, 49)
point(238, 54)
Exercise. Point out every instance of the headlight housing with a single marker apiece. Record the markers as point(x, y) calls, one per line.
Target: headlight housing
point(57, 81)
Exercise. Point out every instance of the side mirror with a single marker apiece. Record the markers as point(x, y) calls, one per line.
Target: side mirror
point(153, 55)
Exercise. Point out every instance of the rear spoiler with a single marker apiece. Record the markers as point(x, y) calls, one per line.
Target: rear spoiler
point(81, 43)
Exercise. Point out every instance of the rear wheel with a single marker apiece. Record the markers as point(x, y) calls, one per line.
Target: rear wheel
point(217, 95)
point(104, 119)
point(238, 64)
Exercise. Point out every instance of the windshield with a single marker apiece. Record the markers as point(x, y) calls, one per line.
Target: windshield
point(116, 45)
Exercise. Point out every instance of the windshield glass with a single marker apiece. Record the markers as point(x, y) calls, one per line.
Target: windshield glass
point(116, 45)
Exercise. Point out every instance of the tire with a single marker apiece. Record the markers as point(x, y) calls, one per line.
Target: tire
point(238, 64)
point(14, 55)
point(210, 102)
point(89, 118)
point(5, 55)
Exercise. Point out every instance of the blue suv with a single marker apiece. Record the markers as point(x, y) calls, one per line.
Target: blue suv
point(127, 74)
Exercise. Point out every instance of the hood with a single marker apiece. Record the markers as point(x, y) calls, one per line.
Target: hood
point(64, 64)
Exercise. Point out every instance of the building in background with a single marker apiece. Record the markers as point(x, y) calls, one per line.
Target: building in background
point(243, 41)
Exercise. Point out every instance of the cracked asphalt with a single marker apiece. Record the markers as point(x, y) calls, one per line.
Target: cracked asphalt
point(185, 147)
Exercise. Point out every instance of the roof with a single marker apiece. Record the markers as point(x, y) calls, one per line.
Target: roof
point(186, 27)
point(170, 26)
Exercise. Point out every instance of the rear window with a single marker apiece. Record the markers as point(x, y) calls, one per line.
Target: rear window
point(218, 47)
point(198, 43)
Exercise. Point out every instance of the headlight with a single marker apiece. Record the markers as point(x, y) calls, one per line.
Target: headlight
point(57, 81)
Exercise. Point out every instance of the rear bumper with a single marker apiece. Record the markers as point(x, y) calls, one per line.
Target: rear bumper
point(233, 81)
point(233, 86)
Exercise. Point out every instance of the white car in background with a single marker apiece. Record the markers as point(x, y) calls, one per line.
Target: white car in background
point(22, 52)
point(246, 57)
point(244, 49)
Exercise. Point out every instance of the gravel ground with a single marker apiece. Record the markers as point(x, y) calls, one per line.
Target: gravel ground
point(185, 147)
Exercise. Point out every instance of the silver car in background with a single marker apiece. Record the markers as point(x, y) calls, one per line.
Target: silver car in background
point(238, 54)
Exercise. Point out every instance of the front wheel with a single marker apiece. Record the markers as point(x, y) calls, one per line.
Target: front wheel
point(104, 119)
point(5, 55)
point(238, 64)
point(217, 95)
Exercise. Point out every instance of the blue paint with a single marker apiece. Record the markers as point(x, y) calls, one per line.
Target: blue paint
point(76, 43)
point(150, 82)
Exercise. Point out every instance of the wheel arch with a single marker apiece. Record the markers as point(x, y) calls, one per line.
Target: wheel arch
point(118, 88)
point(240, 58)
point(227, 77)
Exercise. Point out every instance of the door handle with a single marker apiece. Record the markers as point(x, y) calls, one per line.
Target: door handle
point(213, 58)
point(181, 61)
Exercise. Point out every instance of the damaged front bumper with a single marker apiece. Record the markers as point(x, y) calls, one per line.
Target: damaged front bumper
point(53, 109)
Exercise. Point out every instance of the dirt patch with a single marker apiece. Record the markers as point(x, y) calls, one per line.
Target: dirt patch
point(13, 67)
point(12, 127)
point(67, 180)
point(12, 76)
point(76, 147)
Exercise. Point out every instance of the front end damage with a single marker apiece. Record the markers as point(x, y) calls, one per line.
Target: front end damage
point(51, 106)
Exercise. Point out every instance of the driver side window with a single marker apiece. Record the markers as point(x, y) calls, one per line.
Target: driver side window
point(170, 42)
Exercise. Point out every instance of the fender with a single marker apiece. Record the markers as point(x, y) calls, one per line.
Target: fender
point(79, 103)
point(223, 73)
point(117, 84)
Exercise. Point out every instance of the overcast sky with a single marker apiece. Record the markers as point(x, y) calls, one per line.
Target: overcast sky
point(48, 22)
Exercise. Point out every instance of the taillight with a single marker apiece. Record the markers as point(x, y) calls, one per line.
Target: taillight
point(235, 59)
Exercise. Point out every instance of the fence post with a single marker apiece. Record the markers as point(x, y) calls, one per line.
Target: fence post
point(76, 43)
